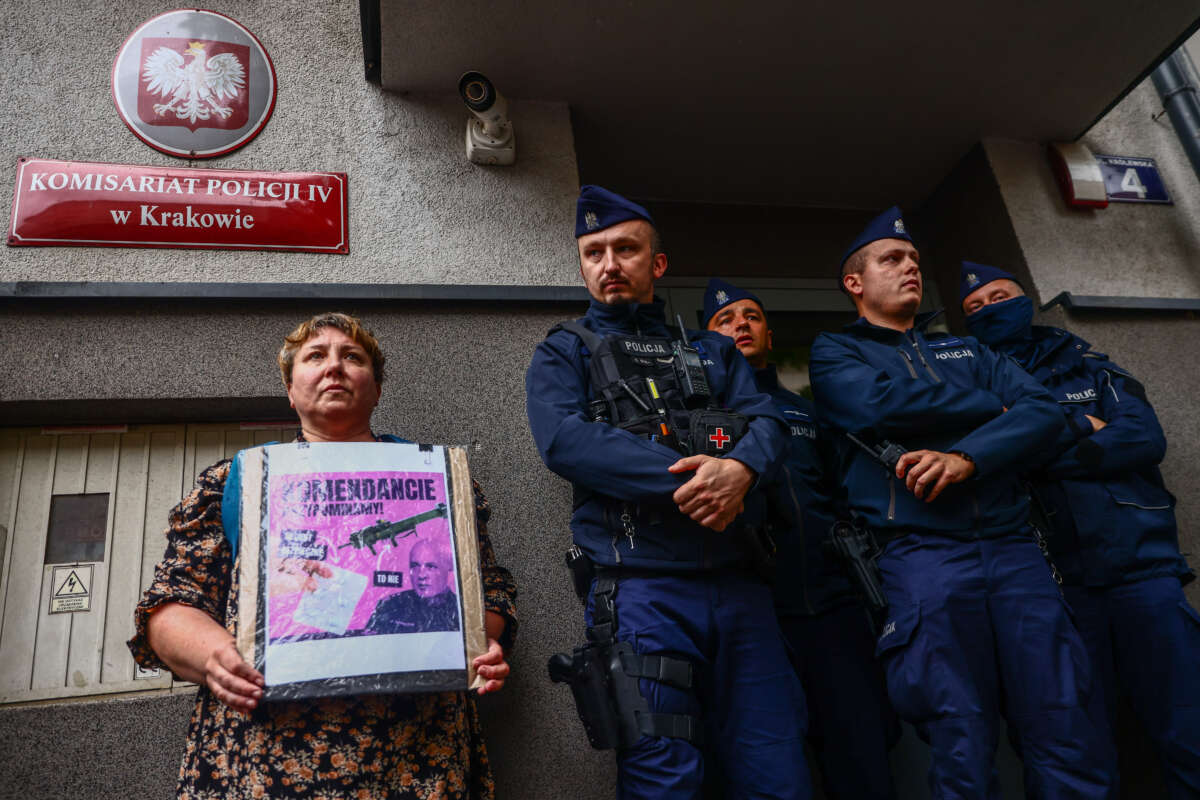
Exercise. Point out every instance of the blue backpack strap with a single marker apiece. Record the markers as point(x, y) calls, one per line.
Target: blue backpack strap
point(231, 501)
point(390, 439)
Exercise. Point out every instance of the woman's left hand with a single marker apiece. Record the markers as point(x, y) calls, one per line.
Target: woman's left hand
point(492, 666)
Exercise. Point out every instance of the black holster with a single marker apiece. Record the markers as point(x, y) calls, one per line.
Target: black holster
point(604, 678)
point(855, 546)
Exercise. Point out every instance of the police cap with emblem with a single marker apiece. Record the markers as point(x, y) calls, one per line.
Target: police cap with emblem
point(598, 208)
point(888, 225)
point(720, 294)
point(975, 275)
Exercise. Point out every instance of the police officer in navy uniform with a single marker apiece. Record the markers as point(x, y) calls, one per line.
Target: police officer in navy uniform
point(1112, 522)
point(976, 626)
point(851, 725)
point(663, 530)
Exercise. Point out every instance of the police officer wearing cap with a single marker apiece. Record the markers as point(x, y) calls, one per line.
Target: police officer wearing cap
point(1111, 522)
point(976, 626)
point(610, 412)
point(851, 725)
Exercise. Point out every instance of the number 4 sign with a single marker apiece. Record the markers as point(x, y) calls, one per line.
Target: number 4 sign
point(1132, 179)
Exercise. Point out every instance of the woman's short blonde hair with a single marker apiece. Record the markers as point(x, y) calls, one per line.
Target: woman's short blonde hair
point(350, 325)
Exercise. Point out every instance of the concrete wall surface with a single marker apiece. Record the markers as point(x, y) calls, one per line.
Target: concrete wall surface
point(419, 211)
point(118, 749)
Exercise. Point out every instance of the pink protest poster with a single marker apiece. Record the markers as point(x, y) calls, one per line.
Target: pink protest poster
point(360, 567)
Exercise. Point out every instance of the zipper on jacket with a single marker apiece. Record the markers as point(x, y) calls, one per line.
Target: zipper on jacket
point(1111, 388)
point(913, 336)
point(892, 497)
point(908, 362)
point(1136, 505)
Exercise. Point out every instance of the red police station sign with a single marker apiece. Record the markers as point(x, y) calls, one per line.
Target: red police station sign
point(121, 205)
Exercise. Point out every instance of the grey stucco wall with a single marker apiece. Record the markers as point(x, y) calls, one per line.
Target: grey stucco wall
point(419, 211)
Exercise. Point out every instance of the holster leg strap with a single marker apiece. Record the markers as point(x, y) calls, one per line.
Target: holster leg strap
point(665, 669)
point(676, 726)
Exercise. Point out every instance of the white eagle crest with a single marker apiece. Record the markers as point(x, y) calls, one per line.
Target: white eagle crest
point(196, 89)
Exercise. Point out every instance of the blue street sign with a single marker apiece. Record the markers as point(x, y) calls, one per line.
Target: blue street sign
point(1132, 179)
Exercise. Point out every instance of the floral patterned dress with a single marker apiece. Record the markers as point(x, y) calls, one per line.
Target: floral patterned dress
point(365, 746)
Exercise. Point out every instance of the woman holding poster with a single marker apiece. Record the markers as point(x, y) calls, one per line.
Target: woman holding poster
point(373, 745)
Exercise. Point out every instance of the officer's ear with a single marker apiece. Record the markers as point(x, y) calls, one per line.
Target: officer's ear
point(660, 265)
point(853, 284)
point(770, 343)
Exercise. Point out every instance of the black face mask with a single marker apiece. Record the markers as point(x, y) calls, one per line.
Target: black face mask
point(1006, 321)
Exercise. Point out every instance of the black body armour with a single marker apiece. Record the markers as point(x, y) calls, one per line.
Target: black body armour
point(657, 388)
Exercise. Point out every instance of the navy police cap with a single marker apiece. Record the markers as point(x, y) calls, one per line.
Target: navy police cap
point(598, 208)
point(888, 225)
point(975, 275)
point(720, 294)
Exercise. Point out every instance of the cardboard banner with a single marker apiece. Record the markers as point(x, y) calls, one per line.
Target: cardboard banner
point(359, 569)
point(82, 203)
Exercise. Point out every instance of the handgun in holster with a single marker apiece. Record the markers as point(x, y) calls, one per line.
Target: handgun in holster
point(855, 546)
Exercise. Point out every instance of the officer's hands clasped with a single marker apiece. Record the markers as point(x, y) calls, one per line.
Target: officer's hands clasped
point(927, 472)
point(713, 496)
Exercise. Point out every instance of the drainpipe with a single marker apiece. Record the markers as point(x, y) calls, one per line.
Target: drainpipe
point(1177, 84)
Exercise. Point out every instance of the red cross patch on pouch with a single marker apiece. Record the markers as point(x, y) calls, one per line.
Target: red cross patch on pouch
point(719, 438)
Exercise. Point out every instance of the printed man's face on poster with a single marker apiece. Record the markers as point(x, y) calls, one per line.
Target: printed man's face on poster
point(427, 569)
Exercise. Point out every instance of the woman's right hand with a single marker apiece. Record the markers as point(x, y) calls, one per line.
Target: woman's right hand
point(199, 649)
point(231, 680)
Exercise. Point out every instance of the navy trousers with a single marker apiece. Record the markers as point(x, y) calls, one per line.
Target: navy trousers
point(976, 629)
point(1145, 637)
point(851, 724)
point(746, 695)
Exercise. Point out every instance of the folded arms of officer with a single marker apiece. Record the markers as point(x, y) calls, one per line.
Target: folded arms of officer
point(1129, 437)
point(626, 466)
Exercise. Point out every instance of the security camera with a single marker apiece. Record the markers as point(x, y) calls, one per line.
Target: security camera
point(490, 137)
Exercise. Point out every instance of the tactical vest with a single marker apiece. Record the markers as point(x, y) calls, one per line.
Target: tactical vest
point(655, 387)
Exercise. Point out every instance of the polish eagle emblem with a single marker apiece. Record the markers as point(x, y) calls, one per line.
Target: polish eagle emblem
point(197, 90)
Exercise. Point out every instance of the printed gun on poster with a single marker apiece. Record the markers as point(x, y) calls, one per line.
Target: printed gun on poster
point(373, 534)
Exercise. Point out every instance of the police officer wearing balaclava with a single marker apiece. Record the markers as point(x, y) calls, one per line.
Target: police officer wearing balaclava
point(851, 725)
point(1111, 522)
point(615, 402)
point(976, 627)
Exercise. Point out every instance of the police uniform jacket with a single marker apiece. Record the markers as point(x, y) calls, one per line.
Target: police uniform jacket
point(1111, 518)
point(938, 392)
point(617, 472)
point(807, 580)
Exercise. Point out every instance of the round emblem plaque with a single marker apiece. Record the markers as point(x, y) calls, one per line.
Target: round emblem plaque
point(193, 84)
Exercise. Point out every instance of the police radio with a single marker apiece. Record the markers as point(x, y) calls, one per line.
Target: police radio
point(689, 370)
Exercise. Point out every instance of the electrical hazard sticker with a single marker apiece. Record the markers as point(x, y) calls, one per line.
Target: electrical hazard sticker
point(70, 589)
